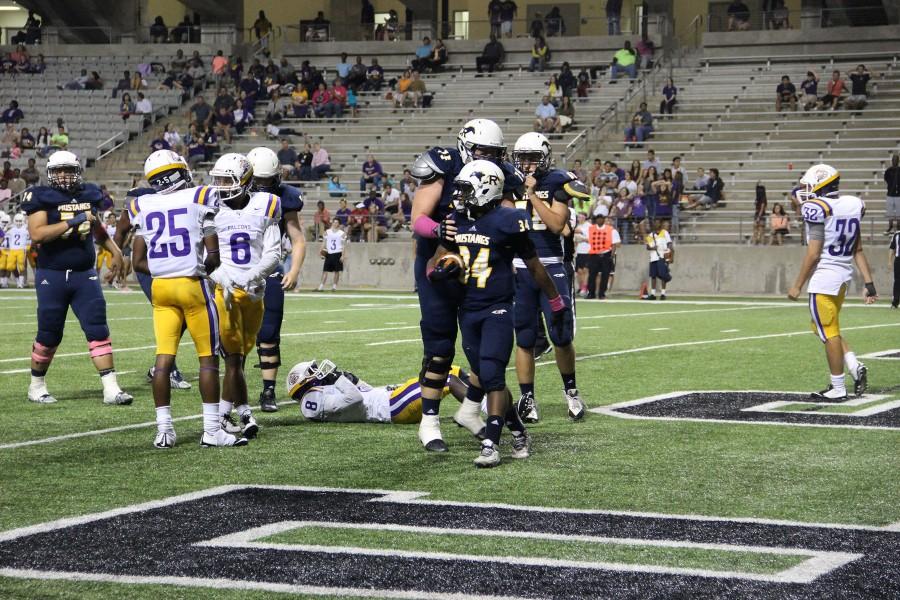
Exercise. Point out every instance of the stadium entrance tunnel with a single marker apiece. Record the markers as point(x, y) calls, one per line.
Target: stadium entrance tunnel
point(870, 411)
point(399, 544)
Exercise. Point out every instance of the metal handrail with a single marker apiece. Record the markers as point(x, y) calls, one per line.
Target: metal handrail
point(760, 20)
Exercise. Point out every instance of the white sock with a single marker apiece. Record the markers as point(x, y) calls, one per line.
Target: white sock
point(243, 409)
point(837, 382)
point(20, 280)
point(225, 407)
point(38, 383)
point(164, 419)
point(4, 281)
point(851, 363)
point(110, 384)
point(211, 418)
point(653, 292)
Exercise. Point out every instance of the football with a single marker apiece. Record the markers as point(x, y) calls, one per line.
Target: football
point(323, 252)
point(446, 261)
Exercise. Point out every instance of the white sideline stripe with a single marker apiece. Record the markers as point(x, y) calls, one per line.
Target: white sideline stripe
point(17, 371)
point(776, 406)
point(817, 563)
point(589, 327)
point(610, 410)
point(95, 432)
point(729, 331)
point(233, 584)
point(659, 329)
point(883, 355)
point(407, 341)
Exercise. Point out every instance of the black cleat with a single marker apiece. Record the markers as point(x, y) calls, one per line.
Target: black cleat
point(861, 380)
point(267, 401)
point(527, 408)
point(437, 445)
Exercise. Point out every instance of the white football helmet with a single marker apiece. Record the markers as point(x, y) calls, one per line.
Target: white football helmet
point(532, 153)
point(4, 220)
point(167, 172)
point(484, 135)
point(479, 184)
point(819, 180)
point(64, 172)
point(231, 176)
point(266, 170)
point(19, 220)
point(304, 376)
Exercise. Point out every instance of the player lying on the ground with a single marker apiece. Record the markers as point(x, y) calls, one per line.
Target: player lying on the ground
point(326, 393)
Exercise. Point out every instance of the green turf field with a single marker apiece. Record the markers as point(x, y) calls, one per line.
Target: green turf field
point(628, 350)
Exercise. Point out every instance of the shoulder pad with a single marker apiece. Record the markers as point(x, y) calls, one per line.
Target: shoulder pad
point(271, 205)
point(206, 195)
point(514, 177)
point(41, 196)
point(291, 199)
point(139, 191)
point(90, 193)
point(514, 220)
point(133, 208)
point(576, 189)
point(815, 211)
point(432, 165)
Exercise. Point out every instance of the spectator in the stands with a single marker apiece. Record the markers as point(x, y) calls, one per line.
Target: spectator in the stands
point(198, 73)
point(42, 143)
point(201, 112)
point(553, 90)
point(137, 82)
point(373, 198)
point(779, 17)
point(648, 190)
point(159, 142)
point(635, 169)
point(779, 225)
point(859, 96)
point(173, 138)
point(628, 184)
point(614, 17)
point(567, 80)
point(195, 146)
point(651, 161)
point(321, 162)
point(37, 65)
point(596, 172)
point(262, 26)
point(641, 125)
point(343, 67)
point(287, 156)
point(584, 83)
point(759, 215)
point(342, 214)
point(375, 226)
point(358, 216)
point(677, 167)
point(785, 94)
point(94, 82)
point(300, 102)
point(540, 54)
point(701, 180)
point(494, 9)
point(416, 90)
point(624, 60)
point(423, 53)
point(159, 33)
point(321, 102)
point(439, 57)
point(401, 87)
point(181, 33)
point(537, 26)
point(372, 174)
point(809, 88)
point(179, 61)
point(579, 171)
point(60, 139)
point(77, 83)
point(5, 192)
point(713, 194)
point(357, 75)
point(320, 222)
point(566, 113)
point(508, 11)
point(123, 84)
point(219, 66)
point(26, 140)
point(336, 189)
point(144, 107)
point(224, 124)
point(738, 16)
point(13, 114)
point(9, 138)
point(670, 97)
point(338, 98)
point(211, 142)
point(30, 173)
point(556, 24)
point(405, 208)
point(645, 49)
point(374, 77)
point(892, 207)
point(833, 92)
point(223, 99)
point(546, 121)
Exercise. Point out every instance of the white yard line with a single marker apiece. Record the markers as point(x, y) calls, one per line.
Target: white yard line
point(390, 342)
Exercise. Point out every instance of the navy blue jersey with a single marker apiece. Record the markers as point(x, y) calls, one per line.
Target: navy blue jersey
point(487, 246)
point(555, 185)
point(291, 201)
point(445, 164)
point(74, 250)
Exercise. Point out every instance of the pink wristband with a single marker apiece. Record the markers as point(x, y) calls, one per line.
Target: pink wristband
point(557, 304)
point(428, 272)
point(425, 227)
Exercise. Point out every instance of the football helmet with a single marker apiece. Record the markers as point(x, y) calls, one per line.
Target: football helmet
point(19, 220)
point(231, 176)
point(479, 184)
point(64, 172)
point(266, 170)
point(484, 135)
point(819, 180)
point(4, 220)
point(531, 153)
point(167, 172)
point(306, 375)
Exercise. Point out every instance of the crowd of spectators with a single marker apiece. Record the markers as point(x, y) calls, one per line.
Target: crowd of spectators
point(21, 61)
point(787, 96)
point(186, 32)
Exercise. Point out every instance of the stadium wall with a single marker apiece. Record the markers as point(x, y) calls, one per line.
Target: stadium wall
point(698, 269)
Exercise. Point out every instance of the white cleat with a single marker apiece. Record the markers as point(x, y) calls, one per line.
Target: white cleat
point(120, 398)
point(527, 408)
point(430, 434)
point(164, 440)
point(576, 406)
point(829, 394)
point(177, 382)
point(229, 425)
point(521, 446)
point(468, 417)
point(40, 395)
point(489, 456)
point(221, 439)
point(249, 427)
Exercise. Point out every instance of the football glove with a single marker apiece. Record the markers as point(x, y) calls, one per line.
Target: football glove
point(447, 267)
point(562, 325)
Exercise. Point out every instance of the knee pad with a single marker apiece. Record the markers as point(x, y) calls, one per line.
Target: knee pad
point(437, 365)
point(269, 331)
point(99, 348)
point(492, 375)
point(273, 351)
point(526, 337)
point(42, 354)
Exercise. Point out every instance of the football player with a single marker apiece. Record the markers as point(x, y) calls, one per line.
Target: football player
point(109, 224)
point(16, 243)
point(326, 393)
point(546, 202)
point(432, 204)
point(833, 222)
point(5, 222)
point(250, 248)
point(172, 229)
point(62, 218)
point(164, 179)
point(488, 236)
point(267, 179)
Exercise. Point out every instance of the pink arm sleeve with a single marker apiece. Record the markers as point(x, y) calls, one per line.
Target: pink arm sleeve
point(425, 227)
